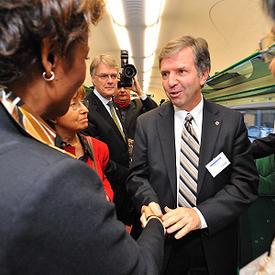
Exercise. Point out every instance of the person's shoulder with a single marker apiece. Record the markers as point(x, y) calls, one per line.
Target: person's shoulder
point(226, 111)
point(98, 144)
point(38, 165)
point(90, 95)
point(88, 90)
point(162, 110)
point(136, 100)
point(136, 103)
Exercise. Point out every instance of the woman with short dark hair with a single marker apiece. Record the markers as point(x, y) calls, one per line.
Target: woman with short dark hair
point(54, 215)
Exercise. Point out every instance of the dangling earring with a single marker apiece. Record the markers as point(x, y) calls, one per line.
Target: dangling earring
point(50, 78)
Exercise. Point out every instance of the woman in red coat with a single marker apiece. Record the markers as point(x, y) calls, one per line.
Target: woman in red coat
point(93, 151)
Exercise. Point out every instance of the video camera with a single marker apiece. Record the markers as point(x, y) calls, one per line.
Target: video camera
point(128, 71)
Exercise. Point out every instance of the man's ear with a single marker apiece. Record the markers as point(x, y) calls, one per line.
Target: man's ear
point(48, 58)
point(204, 77)
point(93, 79)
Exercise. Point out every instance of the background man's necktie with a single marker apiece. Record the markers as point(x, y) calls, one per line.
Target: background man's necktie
point(115, 118)
point(189, 162)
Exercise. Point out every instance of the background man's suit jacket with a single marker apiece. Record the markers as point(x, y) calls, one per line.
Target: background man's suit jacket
point(55, 219)
point(221, 199)
point(103, 127)
point(130, 113)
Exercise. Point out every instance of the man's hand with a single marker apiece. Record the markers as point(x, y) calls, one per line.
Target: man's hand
point(182, 220)
point(155, 208)
point(136, 88)
point(146, 211)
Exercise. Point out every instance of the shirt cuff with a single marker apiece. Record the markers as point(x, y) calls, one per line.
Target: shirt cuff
point(143, 97)
point(203, 222)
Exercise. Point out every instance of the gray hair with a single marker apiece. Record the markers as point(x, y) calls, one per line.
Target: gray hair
point(106, 59)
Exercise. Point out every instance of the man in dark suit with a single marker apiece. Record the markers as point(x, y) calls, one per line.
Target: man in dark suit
point(192, 166)
point(104, 73)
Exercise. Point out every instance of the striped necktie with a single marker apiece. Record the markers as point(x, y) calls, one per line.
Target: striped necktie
point(189, 162)
point(115, 118)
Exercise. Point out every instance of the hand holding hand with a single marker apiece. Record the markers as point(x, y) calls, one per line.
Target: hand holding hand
point(148, 214)
point(153, 209)
point(181, 219)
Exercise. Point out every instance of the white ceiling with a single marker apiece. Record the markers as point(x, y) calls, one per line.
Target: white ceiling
point(232, 29)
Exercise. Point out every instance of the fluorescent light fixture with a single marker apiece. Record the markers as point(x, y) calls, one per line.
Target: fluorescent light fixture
point(153, 10)
point(146, 80)
point(123, 38)
point(117, 12)
point(151, 39)
point(148, 63)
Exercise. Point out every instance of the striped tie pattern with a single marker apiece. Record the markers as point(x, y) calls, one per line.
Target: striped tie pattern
point(115, 118)
point(189, 162)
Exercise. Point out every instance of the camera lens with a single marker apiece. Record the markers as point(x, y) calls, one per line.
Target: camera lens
point(130, 70)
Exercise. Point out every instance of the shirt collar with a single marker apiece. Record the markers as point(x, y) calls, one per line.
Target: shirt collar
point(101, 98)
point(31, 123)
point(196, 112)
point(84, 143)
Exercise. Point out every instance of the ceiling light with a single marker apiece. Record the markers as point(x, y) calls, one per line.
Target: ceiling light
point(151, 39)
point(123, 38)
point(153, 10)
point(148, 63)
point(118, 19)
point(116, 11)
point(146, 80)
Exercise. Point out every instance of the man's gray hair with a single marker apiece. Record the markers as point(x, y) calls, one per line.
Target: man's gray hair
point(106, 59)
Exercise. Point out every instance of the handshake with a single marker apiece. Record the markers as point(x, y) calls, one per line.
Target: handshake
point(181, 220)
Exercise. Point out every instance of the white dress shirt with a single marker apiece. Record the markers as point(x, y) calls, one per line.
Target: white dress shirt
point(179, 118)
point(105, 102)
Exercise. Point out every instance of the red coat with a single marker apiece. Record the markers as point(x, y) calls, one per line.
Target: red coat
point(101, 152)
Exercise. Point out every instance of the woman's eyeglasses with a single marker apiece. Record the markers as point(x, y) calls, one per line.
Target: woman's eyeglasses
point(77, 105)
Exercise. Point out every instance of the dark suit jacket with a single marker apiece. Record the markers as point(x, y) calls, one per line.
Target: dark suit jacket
point(130, 113)
point(102, 127)
point(221, 199)
point(55, 219)
point(262, 147)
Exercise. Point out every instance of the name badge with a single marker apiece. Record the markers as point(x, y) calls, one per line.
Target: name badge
point(217, 164)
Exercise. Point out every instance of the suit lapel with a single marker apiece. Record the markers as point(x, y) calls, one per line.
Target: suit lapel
point(97, 105)
point(211, 126)
point(165, 126)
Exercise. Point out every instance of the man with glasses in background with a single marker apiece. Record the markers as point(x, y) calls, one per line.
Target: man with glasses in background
point(105, 125)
